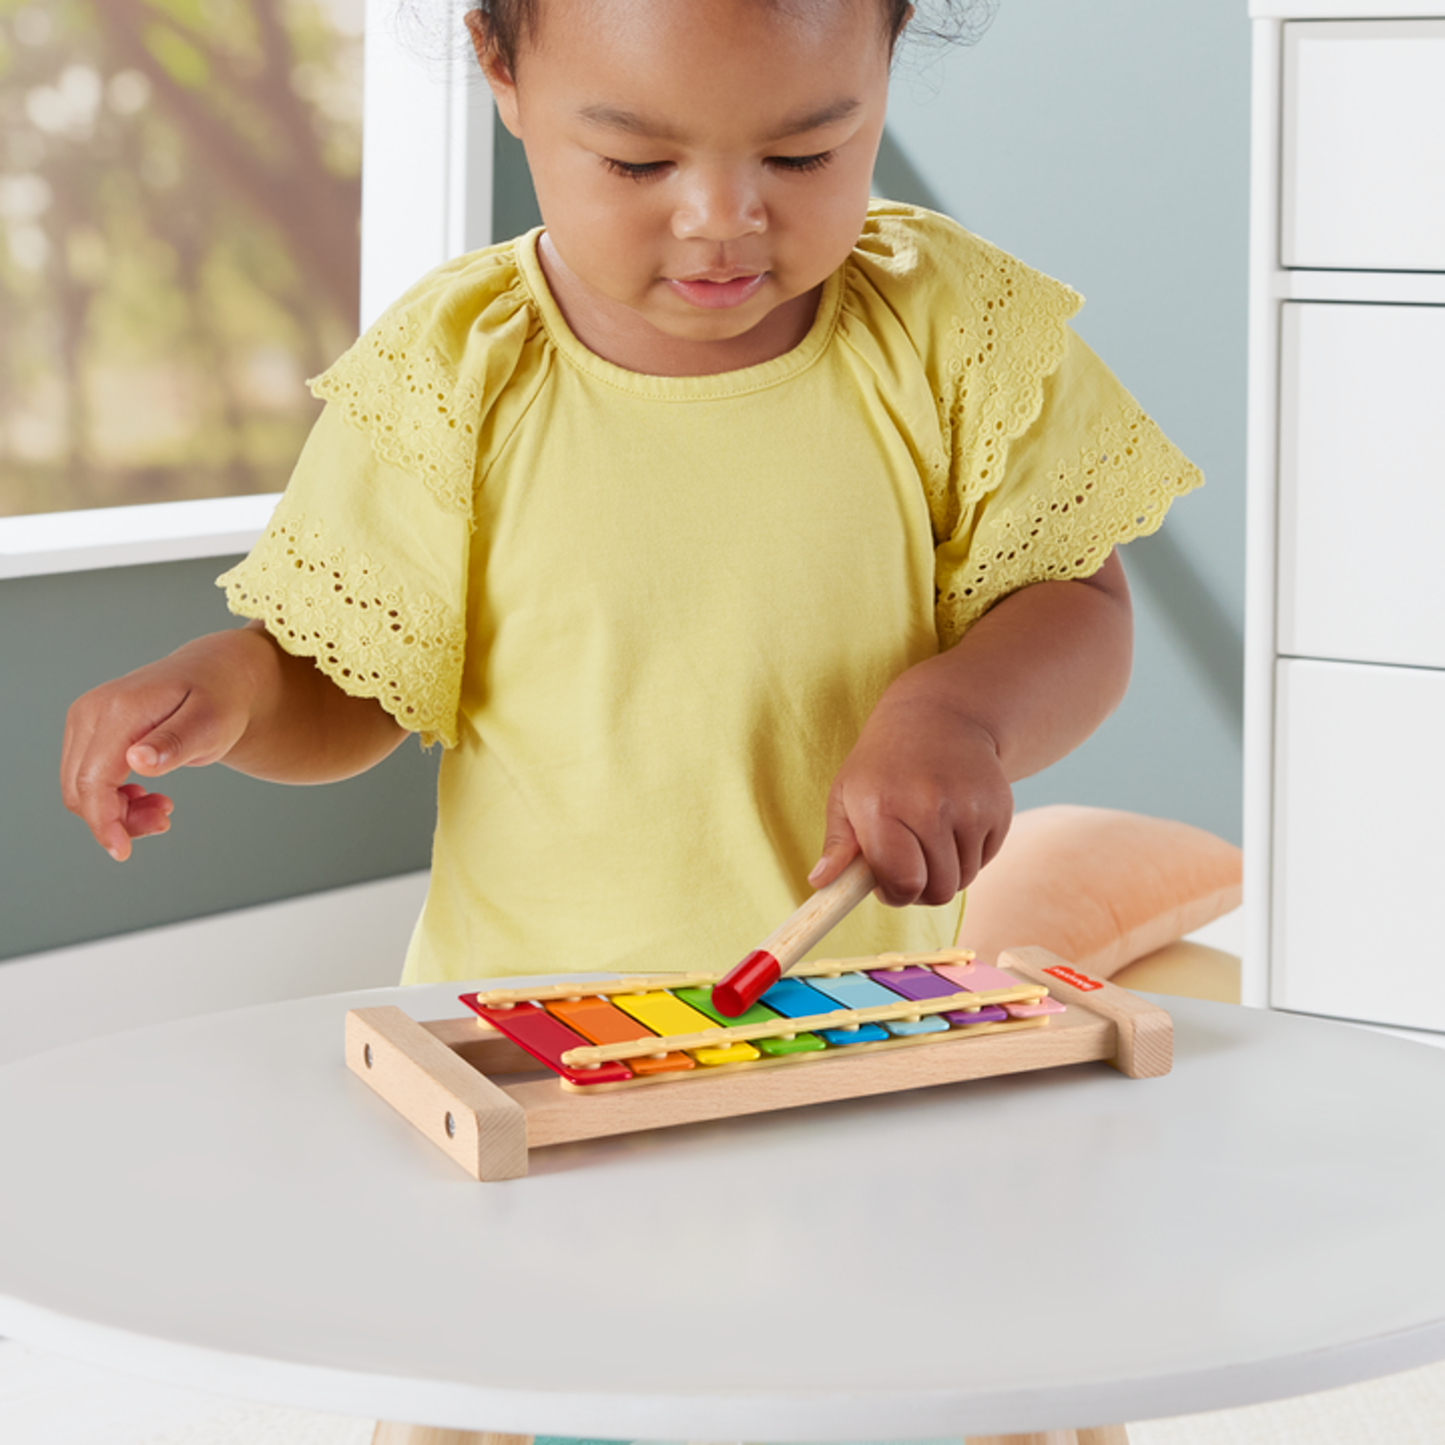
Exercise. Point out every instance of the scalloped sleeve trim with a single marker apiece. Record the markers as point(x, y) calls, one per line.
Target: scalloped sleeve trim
point(420, 383)
point(1007, 337)
point(1116, 486)
point(371, 636)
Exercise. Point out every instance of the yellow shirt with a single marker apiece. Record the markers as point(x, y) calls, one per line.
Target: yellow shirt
point(648, 616)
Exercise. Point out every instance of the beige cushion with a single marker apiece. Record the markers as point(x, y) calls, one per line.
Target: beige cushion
point(1186, 969)
point(1099, 887)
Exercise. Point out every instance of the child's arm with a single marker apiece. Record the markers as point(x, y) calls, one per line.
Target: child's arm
point(232, 697)
point(925, 793)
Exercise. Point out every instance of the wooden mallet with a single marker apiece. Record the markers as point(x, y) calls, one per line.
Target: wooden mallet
point(741, 988)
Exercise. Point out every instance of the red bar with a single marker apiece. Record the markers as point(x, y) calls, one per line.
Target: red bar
point(546, 1039)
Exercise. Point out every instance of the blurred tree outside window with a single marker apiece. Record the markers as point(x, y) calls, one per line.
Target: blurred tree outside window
point(180, 188)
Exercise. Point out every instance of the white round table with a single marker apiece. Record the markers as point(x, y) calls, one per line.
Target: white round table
point(218, 1203)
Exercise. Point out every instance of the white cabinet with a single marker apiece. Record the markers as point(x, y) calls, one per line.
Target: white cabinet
point(1361, 555)
point(1359, 796)
point(1345, 629)
point(1363, 184)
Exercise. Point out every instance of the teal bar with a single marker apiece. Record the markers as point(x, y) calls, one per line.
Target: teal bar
point(857, 990)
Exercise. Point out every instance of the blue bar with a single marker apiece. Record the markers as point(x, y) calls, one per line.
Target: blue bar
point(795, 999)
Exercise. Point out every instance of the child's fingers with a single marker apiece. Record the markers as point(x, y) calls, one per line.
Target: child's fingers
point(91, 775)
point(149, 817)
point(930, 855)
point(978, 848)
point(192, 736)
point(143, 815)
point(96, 760)
point(125, 814)
point(840, 844)
point(908, 868)
point(146, 813)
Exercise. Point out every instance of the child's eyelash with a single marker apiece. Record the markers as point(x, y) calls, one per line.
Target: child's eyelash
point(801, 165)
point(643, 170)
point(633, 170)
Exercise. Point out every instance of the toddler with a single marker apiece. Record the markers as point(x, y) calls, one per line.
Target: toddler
point(726, 526)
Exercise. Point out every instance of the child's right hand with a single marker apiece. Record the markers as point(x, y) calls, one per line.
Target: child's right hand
point(186, 710)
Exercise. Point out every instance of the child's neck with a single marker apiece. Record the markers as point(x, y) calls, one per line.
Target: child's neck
point(620, 336)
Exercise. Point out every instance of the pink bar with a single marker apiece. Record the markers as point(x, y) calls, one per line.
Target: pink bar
point(983, 979)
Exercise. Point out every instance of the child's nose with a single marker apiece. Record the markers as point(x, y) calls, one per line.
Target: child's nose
point(719, 207)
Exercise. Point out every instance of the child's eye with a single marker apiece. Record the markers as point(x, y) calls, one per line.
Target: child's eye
point(801, 165)
point(633, 170)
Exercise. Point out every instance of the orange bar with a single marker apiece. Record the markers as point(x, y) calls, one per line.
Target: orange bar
point(600, 1023)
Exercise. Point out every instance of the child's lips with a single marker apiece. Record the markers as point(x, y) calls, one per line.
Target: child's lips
point(717, 293)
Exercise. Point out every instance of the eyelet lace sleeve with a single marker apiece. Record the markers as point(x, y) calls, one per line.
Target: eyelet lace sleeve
point(1050, 499)
point(354, 575)
point(1035, 462)
point(365, 565)
point(1048, 462)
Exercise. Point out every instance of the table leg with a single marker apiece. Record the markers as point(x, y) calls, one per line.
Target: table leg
point(1099, 1435)
point(390, 1433)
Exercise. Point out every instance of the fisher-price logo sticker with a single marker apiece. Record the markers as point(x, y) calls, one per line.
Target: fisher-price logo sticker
point(1065, 974)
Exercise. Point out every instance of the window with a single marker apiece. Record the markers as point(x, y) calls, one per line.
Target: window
point(184, 235)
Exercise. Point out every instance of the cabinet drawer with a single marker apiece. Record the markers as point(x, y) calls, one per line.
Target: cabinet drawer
point(1364, 145)
point(1356, 926)
point(1362, 483)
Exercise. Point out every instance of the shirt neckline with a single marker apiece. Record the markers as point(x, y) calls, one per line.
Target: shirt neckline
point(676, 388)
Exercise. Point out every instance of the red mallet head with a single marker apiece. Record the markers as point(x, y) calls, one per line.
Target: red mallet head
point(739, 990)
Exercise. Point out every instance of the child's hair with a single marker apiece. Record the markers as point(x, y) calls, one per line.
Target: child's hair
point(511, 22)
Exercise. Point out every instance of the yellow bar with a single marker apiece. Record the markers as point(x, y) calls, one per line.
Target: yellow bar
point(665, 1014)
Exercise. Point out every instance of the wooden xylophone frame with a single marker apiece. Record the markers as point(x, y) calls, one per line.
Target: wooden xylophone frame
point(449, 1077)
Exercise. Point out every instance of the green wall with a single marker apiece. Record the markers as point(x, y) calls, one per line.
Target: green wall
point(233, 841)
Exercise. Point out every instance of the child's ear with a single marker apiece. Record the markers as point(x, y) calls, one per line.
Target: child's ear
point(496, 71)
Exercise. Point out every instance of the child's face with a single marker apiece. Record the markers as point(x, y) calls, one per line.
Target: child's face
point(701, 166)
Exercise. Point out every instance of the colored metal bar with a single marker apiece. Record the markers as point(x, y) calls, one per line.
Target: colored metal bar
point(664, 1014)
point(546, 1039)
point(600, 1023)
point(701, 1000)
point(983, 979)
point(795, 999)
point(855, 990)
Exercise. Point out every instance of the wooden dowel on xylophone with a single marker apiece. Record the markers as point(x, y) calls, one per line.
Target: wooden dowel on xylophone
point(591, 988)
point(830, 967)
point(845, 1018)
point(647, 983)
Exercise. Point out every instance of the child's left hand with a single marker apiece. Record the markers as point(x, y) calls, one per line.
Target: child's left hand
point(924, 797)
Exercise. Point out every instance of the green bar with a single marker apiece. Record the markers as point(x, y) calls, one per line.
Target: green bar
point(701, 1000)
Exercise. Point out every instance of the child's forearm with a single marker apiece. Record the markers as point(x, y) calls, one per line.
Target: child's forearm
point(303, 728)
point(925, 793)
point(233, 697)
point(1038, 673)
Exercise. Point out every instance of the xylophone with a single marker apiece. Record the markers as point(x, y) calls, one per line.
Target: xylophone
point(629, 1054)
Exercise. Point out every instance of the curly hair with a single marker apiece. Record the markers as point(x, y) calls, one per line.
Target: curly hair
point(510, 23)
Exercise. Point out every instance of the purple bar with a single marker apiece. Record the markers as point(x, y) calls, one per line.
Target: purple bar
point(916, 982)
point(990, 1013)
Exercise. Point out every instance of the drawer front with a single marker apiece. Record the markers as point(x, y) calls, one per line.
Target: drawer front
point(1356, 924)
point(1362, 483)
point(1364, 145)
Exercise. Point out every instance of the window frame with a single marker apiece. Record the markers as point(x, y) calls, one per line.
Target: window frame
point(426, 195)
